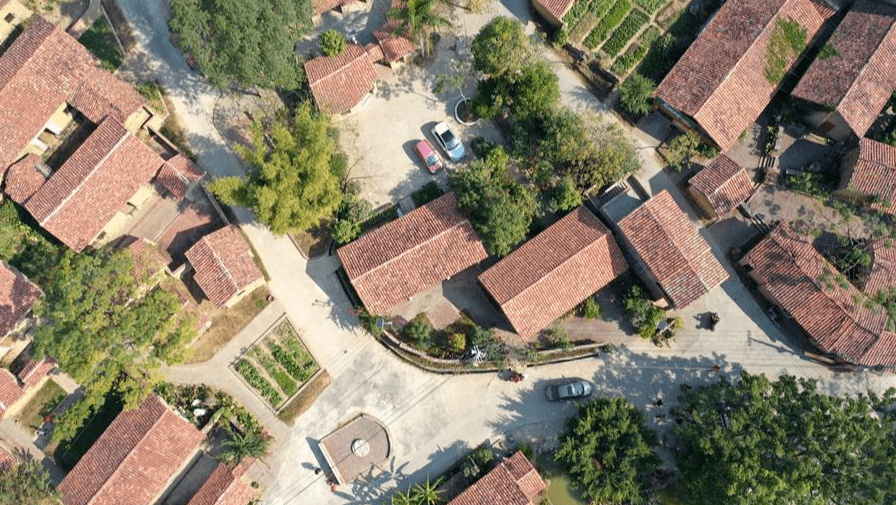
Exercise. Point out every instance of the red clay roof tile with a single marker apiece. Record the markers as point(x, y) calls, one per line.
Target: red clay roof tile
point(17, 296)
point(223, 488)
point(34, 371)
point(10, 390)
point(552, 273)
point(672, 249)
point(394, 43)
point(402, 258)
point(23, 178)
point(859, 79)
point(724, 183)
point(134, 459)
point(224, 264)
point(720, 81)
point(513, 482)
point(874, 173)
point(883, 268)
point(557, 8)
point(7, 461)
point(339, 83)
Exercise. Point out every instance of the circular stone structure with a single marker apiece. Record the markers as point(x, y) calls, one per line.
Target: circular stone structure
point(357, 448)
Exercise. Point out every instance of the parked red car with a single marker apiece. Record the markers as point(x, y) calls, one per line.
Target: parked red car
point(428, 156)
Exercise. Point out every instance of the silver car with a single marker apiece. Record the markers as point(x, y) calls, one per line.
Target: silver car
point(570, 390)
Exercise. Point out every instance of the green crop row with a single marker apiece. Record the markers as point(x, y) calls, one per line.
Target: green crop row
point(582, 7)
point(257, 381)
point(651, 6)
point(296, 347)
point(635, 54)
point(600, 32)
point(300, 371)
point(275, 371)
point(625, 32)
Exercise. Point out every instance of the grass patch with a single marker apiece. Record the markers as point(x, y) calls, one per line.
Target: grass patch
point(227, 324)
point(788, 41)
point(69, 452)
point(100, 41)
point(151, 92)
point(305, 398)
point(41, 405)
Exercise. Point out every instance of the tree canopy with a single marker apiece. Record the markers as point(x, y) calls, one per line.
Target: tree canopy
point(635, 94)
point(296, 177)
point(418, 19)
point(28, 482)
point(248, 42)
point(332, 43)
point(500, 208)
point(760, 441)
point(609, 451)
point(105, 332)
point(501, 48)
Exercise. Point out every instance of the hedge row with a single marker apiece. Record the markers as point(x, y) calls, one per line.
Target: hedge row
point(613, 18)
point(275, 371)
point(257, 381)
point(635, 53)
point(625, 32)
point(651, 6)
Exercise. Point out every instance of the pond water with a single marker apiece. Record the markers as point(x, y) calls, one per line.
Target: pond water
point(560, 491)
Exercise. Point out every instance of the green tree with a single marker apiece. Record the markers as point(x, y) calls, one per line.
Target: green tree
point(244, 444)
point(760, 441)
point(427, 493)
point(565, 196)
point(608, 451)
point(105, 331)
point(635, 94)
point(332, 43)
point(293, 185)
point(418, 20)
point(248, 42)
point(536, 91)
point(643, 314)
point(501, 48)
point(500, 208)
point(28, 482)
point(682, 149)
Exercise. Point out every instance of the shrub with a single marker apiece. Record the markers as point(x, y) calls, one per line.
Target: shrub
point(258, 382)
point(642, 313)
point(591, 309)
point(635, 94)
point(481, 336)
point(625, 32)
point(332, 43)
point(826, 52)
point(418, 330)
point(457, 342)
point(345, 230)
point(682, 149)
point(560, 36)
point(607, 23)
point(707, 151)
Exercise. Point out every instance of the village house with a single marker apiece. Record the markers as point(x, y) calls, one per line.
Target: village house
point(513, 482)
point(224, 266)
point(868, 175)
point(719, 187)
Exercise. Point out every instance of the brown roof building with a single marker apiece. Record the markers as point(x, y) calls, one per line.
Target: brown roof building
point(851, 86)
point(94, 183)
point(883, 267)
point(676, 258)
point(178, 174)
point(395, 45)
point(134, 460)
point(224, 487)
point(513, 482)
point(552, 273)
point(17, 296)
point(791, 273)
point(10, 391)
point(43, 70)
point(7, 460)
point(553, 10)
point(720, 187)
point(869, 174)
point(224, 266)
point(401, 258)
point(340, 83)
point(720, 83)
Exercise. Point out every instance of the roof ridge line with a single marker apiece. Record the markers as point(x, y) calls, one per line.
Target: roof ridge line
point(421, 244)
point(674, 244)
point(220, 262)
point(867, 62)
point(348, 63)
point(88, 176)
point(129, 453)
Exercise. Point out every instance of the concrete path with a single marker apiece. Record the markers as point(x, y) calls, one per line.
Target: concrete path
point(434, 419)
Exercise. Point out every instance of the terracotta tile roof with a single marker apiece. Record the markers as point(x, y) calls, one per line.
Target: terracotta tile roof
point(44, 68)
point(321, 6)
point(859, 79)
point(34, 371)
point(399, 259)
point(339, 83)
point(552, 273)
point(557, 8)
point(883, 268)
point(724, 183)
point(7, 461)
point(394, 44)
point(223, 488)
point(134, 459)
point(804, 284)
point(96, 181)
point(720, 81)
point(10, 390)
point(672, 249)
point(875, 173)
point(177, 174)
point(148, 259)
point(17, 296)
point(513, 482)
point(224, 264)
point(23, 179)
